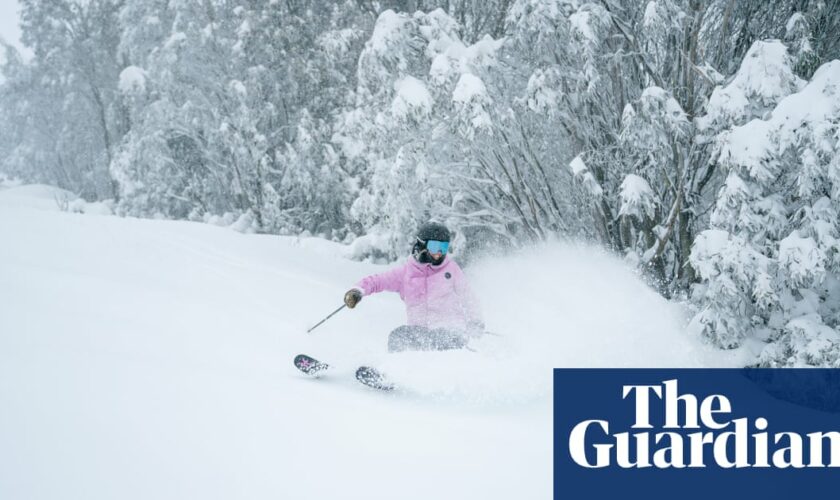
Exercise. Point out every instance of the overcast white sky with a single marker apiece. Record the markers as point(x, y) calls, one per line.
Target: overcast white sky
point(9, 29)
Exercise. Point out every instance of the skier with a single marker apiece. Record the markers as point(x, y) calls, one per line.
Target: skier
point(442, 311)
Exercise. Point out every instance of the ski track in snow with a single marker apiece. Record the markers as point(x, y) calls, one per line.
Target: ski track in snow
point(153, 359)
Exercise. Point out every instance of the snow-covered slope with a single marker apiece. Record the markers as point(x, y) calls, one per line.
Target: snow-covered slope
point(152, 359)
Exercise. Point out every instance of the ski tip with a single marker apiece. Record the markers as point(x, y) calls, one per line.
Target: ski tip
point(371, 377)
point(301, 360)
point(309, 365)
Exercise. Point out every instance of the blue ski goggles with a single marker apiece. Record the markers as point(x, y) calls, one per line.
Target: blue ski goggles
point(435, 246)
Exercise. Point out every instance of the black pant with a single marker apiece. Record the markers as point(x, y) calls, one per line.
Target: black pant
point(420, 338)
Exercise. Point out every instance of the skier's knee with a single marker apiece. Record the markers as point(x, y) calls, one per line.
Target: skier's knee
point(395, 344)
point(400, 339)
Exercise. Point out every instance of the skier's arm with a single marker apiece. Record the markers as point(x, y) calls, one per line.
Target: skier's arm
point(389, 281)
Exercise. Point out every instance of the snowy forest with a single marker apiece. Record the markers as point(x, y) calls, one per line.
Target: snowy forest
point(698, 139)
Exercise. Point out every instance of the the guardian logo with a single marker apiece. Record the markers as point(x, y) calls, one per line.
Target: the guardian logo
point(695, 432)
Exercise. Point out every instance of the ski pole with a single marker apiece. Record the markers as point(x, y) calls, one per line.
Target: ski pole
point(328, 317)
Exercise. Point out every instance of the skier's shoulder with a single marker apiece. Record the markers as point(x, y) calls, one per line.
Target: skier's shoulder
point(404, 267)
point(451, 265)
point(450, 268)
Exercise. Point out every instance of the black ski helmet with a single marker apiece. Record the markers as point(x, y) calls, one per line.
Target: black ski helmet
point(429, 231)
point(433, 231)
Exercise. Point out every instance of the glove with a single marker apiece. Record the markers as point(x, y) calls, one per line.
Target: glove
point(352, 297)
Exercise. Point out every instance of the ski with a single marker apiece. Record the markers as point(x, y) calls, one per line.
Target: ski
point(371, 377)
point(309, 365)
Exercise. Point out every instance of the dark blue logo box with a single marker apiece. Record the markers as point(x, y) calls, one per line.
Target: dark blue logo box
point(763, 404)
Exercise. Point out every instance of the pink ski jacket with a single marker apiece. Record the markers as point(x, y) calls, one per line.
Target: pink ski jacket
point(434, 296)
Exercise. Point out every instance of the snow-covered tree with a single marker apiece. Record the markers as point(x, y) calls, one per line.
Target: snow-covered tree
point(252, 138)
point(770, 261)
point(74, 114)
point(632, 123)
point(420, 100)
